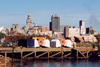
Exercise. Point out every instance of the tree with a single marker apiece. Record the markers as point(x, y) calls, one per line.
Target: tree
point(2, 35)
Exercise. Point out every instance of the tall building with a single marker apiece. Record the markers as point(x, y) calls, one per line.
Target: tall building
point(29, 20)
point(82, 27)
point(62, 27)
point(90, 30)
point(50, 26)
point(66, 31)
point(13, 27)
point(71, 31)
point(55, 23)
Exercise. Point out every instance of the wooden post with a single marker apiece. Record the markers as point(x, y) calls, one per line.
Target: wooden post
point(5, 58)
point(87, 53)
point(77, 54)
point(21, 54)
point(12, 55)
point(35, 54)
point(48, 54)
point(62, 52)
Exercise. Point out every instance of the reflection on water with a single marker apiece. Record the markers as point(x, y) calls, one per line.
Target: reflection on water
point(59, 63)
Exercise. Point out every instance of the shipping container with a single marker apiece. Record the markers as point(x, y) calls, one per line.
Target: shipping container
point(99, 50)
point(46, 43)
point(68, 43)
point(29, 43)
point(55, 43)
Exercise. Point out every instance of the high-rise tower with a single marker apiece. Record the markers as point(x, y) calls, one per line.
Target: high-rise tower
point(29, 20)
point(82, 27)
point(55, 21)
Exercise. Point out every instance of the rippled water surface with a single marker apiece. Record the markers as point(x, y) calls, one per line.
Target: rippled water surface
point(59, 63)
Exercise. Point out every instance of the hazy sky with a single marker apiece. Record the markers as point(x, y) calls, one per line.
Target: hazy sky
point(70, 12)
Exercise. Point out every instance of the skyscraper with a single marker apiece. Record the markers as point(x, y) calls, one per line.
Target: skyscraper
point(50, 26)
point(82, 27)
point(55, 23)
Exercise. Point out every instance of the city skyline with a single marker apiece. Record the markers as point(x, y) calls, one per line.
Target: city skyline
point(70, 12)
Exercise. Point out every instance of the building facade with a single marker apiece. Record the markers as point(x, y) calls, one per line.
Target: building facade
point(50, 26)
point(82, 27)
point(29, 20)
point(55, 23)
point(71, 31)
point(62, 27)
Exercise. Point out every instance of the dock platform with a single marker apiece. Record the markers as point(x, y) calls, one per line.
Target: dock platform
point(41, 53)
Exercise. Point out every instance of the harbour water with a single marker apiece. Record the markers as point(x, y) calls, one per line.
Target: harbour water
point(59, 63)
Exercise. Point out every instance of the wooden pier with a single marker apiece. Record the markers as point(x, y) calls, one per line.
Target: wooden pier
point(42, 53)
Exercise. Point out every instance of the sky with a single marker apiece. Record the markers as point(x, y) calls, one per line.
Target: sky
point(70, 12)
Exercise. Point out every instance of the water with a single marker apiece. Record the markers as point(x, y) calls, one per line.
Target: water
point(59, 63)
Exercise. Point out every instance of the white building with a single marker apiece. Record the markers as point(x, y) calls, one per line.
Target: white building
point(1, 28)
point(71, 31)
point(74, 32)
point(82, 27)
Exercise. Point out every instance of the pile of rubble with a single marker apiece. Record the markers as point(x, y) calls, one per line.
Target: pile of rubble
point(88, 38)
point(79, 39)
point(8, 62)
point(71, 38)
point(2, 61)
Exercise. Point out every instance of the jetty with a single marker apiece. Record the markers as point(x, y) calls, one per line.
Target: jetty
point(43, 53)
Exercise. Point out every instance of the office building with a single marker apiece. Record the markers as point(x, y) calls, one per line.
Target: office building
point(71, 31)
point(82, 27)
point(55, 23)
